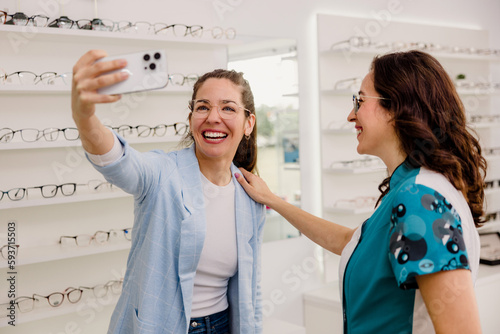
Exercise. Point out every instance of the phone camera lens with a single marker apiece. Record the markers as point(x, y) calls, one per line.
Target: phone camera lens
point(152, 66)
point(157, 55)
point(146, 57)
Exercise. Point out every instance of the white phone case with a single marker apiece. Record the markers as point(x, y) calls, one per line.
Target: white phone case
point(147, 70)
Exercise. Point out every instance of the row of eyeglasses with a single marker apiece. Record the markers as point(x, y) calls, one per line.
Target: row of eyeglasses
point(51, 190)
point(64, 79)
point(99, 238)
point(353, 84)
point(31, 135)
point(73, 295)
point(361, 42)
point(64, 22)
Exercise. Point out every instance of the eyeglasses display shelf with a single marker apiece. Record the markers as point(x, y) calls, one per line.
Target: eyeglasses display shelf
point(60, 199)
point(66, 90)
point(87, 305)
point(59, 35)
point(46, 253)
point(453, 53)
point(35, 89)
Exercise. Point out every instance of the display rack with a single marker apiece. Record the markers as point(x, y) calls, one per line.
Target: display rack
point(340, 59)
point(339, 143)
point(41, 263)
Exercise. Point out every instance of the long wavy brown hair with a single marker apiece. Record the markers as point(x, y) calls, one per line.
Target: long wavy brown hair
point(246, 154)
point(430, 121)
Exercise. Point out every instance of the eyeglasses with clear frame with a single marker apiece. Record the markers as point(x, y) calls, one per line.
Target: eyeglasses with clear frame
point(356, 99)
point(492, 118)
point(15, 194)
point(24, 304)
point(180, 128)
point(128, 130)
point(126, 232)
point(159, 130)
point(218, 32)
point(368, 162)
point(27, 135)
point(101, 290)
point(179, 79)
point(357, 202)
point(32, 135)
point(63, 79)
point(179, 30)
point(28, 78)
point(140, 27)
point(491, 150)
point(99, 185)
point(350, 84)
point(99, 237)
point(352, 42)
point(226, 109)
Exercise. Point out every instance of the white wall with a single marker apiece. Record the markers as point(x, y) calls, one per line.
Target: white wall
point(288, 266)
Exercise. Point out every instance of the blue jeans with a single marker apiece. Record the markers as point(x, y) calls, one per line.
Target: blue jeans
point(217, 323)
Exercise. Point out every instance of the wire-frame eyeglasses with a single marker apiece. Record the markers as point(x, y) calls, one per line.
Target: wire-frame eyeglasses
point(24, 304)
point(28, 78)
point(356, 99)
point(32, 135)
point(101, 290)
point(226, 109)
point(179, 30)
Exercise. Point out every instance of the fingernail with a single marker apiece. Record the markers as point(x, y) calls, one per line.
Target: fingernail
point(236, 175)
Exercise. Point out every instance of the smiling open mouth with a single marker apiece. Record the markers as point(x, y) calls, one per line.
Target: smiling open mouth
point(210, 135)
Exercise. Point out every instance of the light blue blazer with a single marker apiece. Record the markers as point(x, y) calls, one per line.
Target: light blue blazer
point(167, 239)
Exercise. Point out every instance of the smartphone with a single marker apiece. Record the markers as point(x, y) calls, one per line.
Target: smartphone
point(147, 71)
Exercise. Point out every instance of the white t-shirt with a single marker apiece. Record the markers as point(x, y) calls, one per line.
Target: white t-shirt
point(219, 260)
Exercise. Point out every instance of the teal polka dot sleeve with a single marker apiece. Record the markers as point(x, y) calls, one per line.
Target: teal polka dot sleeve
point(426, 235)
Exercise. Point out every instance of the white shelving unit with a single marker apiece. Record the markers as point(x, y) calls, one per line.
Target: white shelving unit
point(339, 143)
point(42, 265)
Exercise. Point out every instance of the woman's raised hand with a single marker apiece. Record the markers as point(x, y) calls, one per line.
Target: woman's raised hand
point(88, 78)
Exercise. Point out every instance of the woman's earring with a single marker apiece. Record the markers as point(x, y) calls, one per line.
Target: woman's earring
point(247, 137)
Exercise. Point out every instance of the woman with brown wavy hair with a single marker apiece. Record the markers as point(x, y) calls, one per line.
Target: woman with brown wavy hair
point(410, 267)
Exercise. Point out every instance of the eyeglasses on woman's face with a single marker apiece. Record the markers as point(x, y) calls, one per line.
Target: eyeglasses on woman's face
point(226, 109)
point(357, 98)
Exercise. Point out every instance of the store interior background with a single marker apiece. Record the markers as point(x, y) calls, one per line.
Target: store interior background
point(293, 266)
